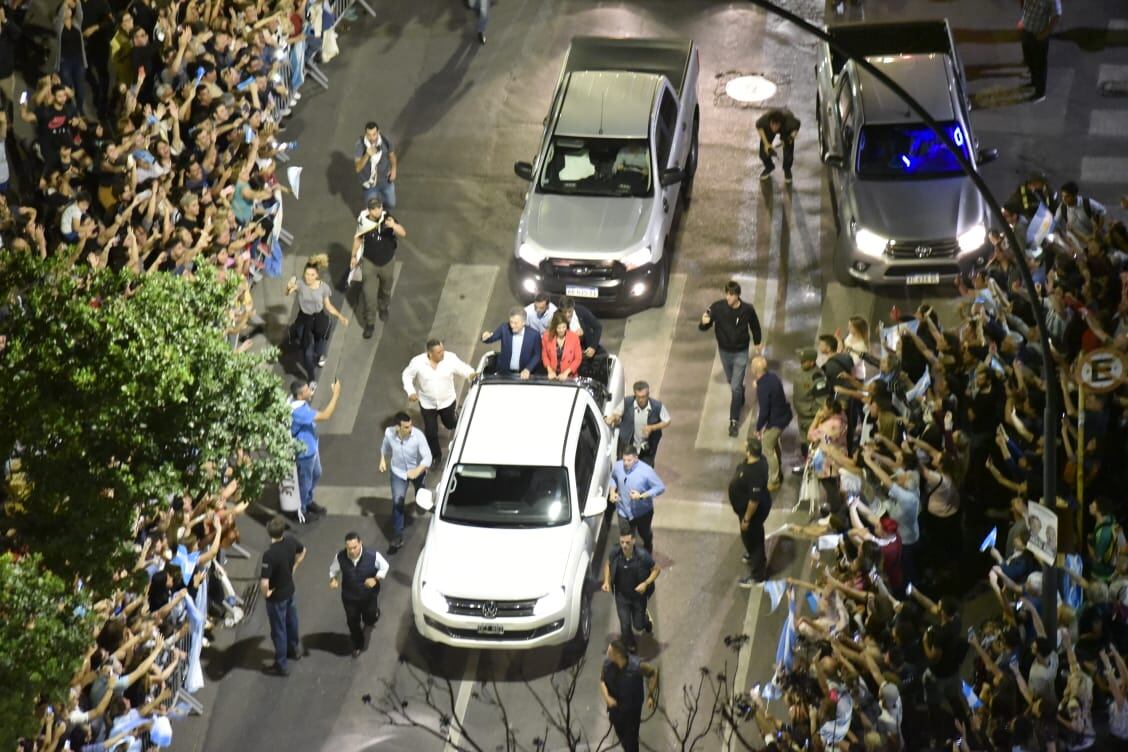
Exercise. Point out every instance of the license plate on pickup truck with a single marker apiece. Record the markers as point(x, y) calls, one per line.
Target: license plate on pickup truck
point(491, 629)
point(923, 279)
point(577, 291)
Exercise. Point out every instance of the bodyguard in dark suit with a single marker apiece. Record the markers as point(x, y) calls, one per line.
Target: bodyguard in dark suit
point(525, 358)
point(358, 572)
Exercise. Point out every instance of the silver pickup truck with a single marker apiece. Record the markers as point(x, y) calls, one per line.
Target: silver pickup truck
point(615, 165)
point(904, 211)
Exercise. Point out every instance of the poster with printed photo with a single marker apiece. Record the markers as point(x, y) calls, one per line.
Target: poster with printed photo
point(1043, 525)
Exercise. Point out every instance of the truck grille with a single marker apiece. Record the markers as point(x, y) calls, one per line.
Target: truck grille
point(511, 636)
point(582, 270)
point(490, 609)
point(923, 249)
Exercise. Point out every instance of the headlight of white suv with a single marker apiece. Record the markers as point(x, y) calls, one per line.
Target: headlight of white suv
point(870, 243)
point(973, 239)
point(432, 599)
point(530, 254)
point(635, 259)
point(550, 604)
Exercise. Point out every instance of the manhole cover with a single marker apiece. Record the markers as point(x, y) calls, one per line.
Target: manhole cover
point(750, 89)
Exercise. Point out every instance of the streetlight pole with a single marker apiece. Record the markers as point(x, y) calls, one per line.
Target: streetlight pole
point(1049, 373)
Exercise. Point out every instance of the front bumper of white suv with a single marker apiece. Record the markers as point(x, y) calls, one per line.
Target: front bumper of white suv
point(480, 623)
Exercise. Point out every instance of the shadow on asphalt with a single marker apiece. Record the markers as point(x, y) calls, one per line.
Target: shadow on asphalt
point(248, 654)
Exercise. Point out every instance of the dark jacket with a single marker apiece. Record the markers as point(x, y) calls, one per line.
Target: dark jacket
point(593, 330)
point(638, 568)
point(775, 411)
point(627, 425)
point(530, 356)
point(353, 577)
point(733, 325)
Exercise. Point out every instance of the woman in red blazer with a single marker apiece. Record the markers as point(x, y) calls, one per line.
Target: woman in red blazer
point(560, 349)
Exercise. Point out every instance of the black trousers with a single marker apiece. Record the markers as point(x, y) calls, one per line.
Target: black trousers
point(626, 724)
point(431, 426)
point(1036, 53)
point(753, 539)
point(641, 527)
point(357, 611)
point(788, 148)
point(631, 608)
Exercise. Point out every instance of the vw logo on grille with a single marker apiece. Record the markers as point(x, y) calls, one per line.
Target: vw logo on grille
point(489, 609)
point(923, 251)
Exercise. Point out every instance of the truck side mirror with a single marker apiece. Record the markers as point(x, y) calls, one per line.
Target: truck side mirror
point(670, 176)
point(595, 505)
point(831, 159)
point(987, 155)
point(524, 170)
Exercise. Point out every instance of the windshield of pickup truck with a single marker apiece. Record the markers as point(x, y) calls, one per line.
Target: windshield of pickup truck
point(907, 151)
point(597, 167)
point(508, 496)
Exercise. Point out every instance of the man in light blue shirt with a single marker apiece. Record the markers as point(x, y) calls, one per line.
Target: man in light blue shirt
point(539, 313)
point(303, 427)
point(636, 485)
point(406, 447)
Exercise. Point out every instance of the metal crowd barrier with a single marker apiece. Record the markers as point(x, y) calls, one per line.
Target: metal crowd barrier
point(188, 677)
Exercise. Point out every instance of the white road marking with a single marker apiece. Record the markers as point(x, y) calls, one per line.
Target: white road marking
point(1108, 122)
point(351, 353)
point(462, 308)
point(462, 701)
point(647, 338)
point(1109, 72)
point(1103, 169)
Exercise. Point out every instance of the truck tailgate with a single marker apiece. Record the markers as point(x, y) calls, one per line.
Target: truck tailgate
point(665, 57)
point(897, 38)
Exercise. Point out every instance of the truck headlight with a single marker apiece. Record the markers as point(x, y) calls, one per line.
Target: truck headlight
point(550, 604)
point(635, 259)
point(870, 243)
point(973, 239)
point(529, 254)
point(432, 599)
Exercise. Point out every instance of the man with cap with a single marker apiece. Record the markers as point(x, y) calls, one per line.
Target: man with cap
point(751, 500)
point(358, 573)
point(809, 391)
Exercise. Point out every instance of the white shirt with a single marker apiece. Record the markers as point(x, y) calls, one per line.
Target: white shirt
point(1077, 220)
point(539, 323)
point(72, 212)
point(434, 383)
point(382, 565)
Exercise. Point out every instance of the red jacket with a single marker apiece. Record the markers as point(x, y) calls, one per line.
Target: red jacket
point(572, 353)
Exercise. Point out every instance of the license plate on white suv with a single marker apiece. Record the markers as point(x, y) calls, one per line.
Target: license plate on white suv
point(923, 279)
point(491, 629)
point(578, 291)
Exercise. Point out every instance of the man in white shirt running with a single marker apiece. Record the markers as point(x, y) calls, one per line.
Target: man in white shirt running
point(429, 380)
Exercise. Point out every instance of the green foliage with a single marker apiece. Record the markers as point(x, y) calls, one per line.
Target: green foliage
point(121, 392)
point(42, 643)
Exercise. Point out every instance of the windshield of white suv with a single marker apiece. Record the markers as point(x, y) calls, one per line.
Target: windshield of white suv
point(508, 496)
point(909, 150)
point(597, 167)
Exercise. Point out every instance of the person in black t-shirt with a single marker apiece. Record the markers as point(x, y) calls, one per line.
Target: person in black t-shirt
point(279, 562)
point(55, 123)
point(629, 573)
point(621, 685)
point(736, 324)
point(750, 499)
point(945, 646)
point(779, 122)
point(373, 251)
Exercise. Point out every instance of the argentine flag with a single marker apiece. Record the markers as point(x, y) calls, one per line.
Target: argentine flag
point(1041, 225)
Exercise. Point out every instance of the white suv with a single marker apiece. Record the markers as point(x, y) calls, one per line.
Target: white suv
point(518, 511)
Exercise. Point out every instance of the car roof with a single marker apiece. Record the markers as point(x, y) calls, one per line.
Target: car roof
point(923, 76)
point(612, 104)
point(518, 423)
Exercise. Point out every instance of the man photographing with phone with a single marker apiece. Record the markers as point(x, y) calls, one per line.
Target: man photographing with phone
point(303, 426)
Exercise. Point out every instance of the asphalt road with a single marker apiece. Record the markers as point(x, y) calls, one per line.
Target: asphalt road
point(460, 115)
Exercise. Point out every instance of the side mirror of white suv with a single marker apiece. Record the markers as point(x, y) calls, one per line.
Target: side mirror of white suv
point(595, 505)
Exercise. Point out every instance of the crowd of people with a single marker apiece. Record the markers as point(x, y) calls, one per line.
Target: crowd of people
point(154, 147)
point(922, 626)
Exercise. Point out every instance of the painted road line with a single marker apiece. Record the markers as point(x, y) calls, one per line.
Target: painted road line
point(1108, 122)
point(1103, 169)
point(1111, 74)
point(345, 500)
point(462, 308)
point(351, 353)
point(713, 516)
point(462, 702)
point(712, 431)
point(744, 657)
point(648, 337)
